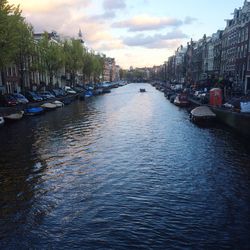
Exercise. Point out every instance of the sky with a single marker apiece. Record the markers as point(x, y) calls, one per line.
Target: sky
point(138, 33)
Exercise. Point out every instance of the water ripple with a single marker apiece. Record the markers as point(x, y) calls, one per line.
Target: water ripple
point(124, 170)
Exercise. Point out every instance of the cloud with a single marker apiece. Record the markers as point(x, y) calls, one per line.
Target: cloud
point(145, 22)
point(175, 34)
point(140, 57)
point(109, 7)
point(110, 45)
point(114, 4)
point(155, 41)
point(164, 44)
point(102, 17)
point(189, 20)
point(66, 17)
point(48, 5)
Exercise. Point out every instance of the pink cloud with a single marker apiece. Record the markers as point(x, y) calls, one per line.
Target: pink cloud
point(155, 41)
point(114, 4)
point(145, 22)
point(48, 5)
point(110, 45)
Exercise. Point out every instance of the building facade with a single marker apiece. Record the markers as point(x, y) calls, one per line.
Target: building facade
point(224, 57)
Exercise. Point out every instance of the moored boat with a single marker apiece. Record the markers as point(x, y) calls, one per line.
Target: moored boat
point(15, 116)
point(98, 91)
point(58, 103)
point(172, 98)
point(33, 111)
point(202, 115)
point(49, 106)
point(237, 120)
point(1, 121)
point(235, 113)
point(88, 93)
point(181, 100)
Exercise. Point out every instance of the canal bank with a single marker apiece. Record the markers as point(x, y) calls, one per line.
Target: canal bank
point(125, 170)
point(20, 107)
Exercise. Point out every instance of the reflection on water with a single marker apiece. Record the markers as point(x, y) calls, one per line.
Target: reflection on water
point(122, 170)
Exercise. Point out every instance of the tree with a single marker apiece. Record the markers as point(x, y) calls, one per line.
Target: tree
point(93, 66)
point(10, 17)
point(97, 66)
point(25, 49)
point(122, 73)
point(87, 67)
point(52, 57)
point(74, 58)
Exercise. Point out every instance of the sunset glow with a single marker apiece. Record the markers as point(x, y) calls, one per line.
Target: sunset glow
point(138, 33)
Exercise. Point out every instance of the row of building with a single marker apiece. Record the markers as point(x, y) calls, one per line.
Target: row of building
point(16, 79)
point(223, 57)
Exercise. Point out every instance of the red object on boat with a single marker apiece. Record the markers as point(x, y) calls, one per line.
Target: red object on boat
point(215, 97)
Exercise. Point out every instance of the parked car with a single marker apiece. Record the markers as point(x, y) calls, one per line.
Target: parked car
point(8, 100)
point(58, 92)
point(69, 90)
point(20, 98)
point(46, 95)
point(79, 89)
point(33, 96)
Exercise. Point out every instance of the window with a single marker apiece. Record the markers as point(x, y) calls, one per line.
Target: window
point(9, 71)
point(14, 71)
point(248, 63)
point(245, 50)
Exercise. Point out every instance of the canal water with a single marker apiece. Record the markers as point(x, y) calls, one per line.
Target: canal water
point(126, 170)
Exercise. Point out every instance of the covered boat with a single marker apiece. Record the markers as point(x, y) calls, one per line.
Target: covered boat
point(58, 103)
point(15, 116)
point(33, 111)
point(202, 115)
point(49, 106)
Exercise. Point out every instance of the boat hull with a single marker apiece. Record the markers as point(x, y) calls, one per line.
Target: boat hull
point(49, 106)
point(202, 116)
point(1, 121)
point(181, 100)
point(14, 116)
point(34, 111)
point(236, 120)
point(58, 104)
point(181, 104)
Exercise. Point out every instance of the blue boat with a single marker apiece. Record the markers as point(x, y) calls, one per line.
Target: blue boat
point(34, 111)
point(88, 93)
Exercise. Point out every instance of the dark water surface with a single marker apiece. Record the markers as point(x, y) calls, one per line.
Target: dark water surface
point(122, 171)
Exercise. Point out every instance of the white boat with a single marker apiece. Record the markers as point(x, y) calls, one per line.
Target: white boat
point(49, 106)
point(14, 116)
point(58, 103)
point(1, 120)
point(181, 100)
point(202, 115)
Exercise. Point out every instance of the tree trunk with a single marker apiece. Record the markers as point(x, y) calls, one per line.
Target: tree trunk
point(3, 77)
point(50, 80)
